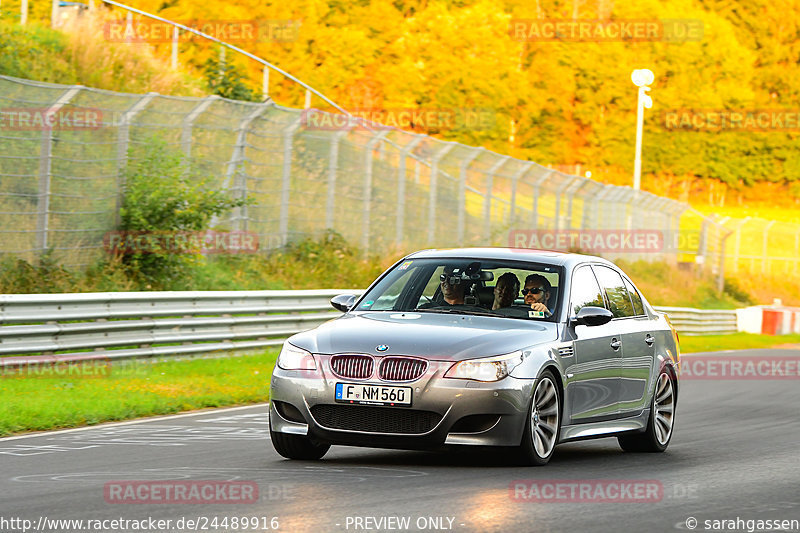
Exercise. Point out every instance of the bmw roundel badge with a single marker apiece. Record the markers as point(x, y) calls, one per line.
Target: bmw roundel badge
point(382, 347)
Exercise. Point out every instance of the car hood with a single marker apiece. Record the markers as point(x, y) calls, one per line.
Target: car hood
point(431, 335)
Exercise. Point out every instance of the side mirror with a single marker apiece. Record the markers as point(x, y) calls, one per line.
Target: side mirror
point(592, 316)
point(344, 302)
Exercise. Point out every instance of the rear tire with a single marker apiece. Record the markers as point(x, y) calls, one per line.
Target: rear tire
point(658, 434)
point(543, 426)
point(298, 447)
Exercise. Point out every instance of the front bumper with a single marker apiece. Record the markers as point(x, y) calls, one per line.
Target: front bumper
point(458, 411)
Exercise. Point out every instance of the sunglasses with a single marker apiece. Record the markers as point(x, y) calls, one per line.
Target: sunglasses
point(535, 290)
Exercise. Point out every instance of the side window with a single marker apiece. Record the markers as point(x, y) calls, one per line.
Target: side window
point(616, 292)
point(638, 307)
point(585, 290)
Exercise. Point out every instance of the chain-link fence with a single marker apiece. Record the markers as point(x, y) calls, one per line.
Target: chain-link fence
point(61, 181)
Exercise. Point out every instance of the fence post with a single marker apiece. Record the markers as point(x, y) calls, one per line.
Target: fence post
point(175, 33)
point(581, 182)
point(45, 169)
point(514, 181)
point(286, 179)
point(462, 192)
point(796, 251)
point(188, 122)
point(536, 188)
point(432, 192)
point(265, 84)
point(606, 189)
point(123, 138)
point(23, 12)
point(487, 199)
point(307, 104)
point(367, 208)
point(567, 183)
point(333, 168)
point(737, 243)
point(400, 219)
point(721, 274)
point(234, 165)
point(765, 251)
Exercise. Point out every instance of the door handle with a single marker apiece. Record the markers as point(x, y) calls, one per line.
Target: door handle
point(650, 340)
point(615, 344)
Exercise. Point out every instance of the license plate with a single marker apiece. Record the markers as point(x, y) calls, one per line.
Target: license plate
point(365, 393)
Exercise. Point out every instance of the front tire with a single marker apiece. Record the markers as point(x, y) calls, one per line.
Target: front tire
point(298, 447)
point(543, 425)
point(661, 422)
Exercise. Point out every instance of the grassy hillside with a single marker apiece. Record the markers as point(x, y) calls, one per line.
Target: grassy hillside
point(83, 57)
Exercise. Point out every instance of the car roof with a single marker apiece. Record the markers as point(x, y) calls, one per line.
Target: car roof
point(512, 254)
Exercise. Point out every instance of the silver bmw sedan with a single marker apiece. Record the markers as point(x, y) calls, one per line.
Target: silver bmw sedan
point(512, 348)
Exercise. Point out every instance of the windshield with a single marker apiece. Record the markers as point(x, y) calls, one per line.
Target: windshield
point(513, 289)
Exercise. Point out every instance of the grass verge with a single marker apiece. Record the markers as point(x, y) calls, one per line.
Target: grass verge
point(735, 341)
point(123, 390)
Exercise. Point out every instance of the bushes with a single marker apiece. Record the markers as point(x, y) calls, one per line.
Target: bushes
point(165, 197)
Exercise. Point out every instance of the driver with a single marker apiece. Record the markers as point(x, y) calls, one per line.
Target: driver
point(453, 293)
point(537, 292)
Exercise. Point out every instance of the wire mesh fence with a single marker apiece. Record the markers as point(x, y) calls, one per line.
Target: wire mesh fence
point(64, 149)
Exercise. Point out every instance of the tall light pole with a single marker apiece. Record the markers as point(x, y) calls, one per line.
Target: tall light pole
point(641, 78)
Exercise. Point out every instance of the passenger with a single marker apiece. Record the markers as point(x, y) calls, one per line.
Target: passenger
point(505, 290)
point(537, 292)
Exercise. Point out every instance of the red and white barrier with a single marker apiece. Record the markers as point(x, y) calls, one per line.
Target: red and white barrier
point(768, 320)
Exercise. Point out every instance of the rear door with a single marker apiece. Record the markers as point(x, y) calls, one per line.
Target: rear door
point(633, 327)
point(593, 377)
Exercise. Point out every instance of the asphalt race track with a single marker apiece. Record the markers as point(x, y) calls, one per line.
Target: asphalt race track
point(735, 454)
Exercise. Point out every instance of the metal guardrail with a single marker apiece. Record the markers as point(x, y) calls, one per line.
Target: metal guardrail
point(141, 324)
point(65, 327)
point(690, 321)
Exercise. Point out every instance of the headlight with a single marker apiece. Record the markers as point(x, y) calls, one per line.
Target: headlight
point(487, 369)
point(293, 358)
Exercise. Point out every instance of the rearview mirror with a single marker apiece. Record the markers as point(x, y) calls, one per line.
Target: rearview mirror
point(592, 316)
point(344, 302)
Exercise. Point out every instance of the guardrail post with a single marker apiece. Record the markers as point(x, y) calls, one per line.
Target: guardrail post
point(233, 168)
point(487, 199)
point(188, 121)
point(433, 186)
point(400, 219)
point(123, 138)
point(45, 169)
point(367, 208)
point(286, 179)
point(333, 168)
